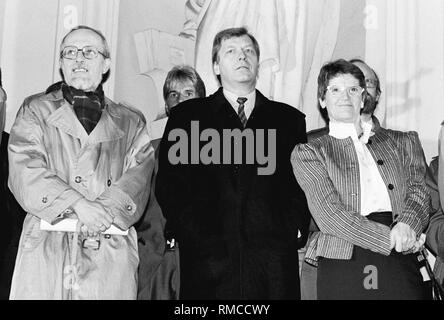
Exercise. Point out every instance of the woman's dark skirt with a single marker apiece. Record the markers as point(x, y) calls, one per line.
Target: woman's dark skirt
point(372, 276)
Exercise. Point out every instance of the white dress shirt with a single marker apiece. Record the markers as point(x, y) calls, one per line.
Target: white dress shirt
point(374, 194)
point(249, 104)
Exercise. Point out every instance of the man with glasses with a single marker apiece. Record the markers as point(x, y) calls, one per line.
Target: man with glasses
point(76, 156)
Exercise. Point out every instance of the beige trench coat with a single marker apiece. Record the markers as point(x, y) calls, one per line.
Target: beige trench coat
point(54, 163)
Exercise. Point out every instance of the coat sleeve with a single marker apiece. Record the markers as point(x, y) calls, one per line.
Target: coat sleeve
point(127, 197)
point(173, 191)
point(328, 211)
point(417, 199)
point(435, 230)
point(37, 188)
point(298, 205)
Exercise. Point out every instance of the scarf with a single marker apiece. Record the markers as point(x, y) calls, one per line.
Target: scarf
point(87, 106)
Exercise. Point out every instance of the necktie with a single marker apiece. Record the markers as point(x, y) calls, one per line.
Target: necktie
point(241, 111)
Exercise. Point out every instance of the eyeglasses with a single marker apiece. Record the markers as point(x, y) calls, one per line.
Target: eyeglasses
point(337, 91)
point(89, 52)
point(370, 83)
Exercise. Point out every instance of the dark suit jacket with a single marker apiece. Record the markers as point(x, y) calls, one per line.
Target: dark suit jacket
point(237, 230)
point(12, 216)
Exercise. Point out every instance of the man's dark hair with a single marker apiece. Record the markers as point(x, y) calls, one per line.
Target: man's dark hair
point(228, 34)
point(336, 68)
point(183, 74)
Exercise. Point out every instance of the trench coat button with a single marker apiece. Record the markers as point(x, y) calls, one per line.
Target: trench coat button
point(44, 199)
point(129, 208)
point(380, 162)
point(78, 179)
point(109, 183)
point(391, 187)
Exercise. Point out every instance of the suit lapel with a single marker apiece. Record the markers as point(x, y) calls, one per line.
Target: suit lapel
point(225, 116)
point(259, 113)
point(257, 120)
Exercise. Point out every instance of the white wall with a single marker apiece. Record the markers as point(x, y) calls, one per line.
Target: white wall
point(351, 34)
point(27, 48)
point(30, 35)
point(136, 16)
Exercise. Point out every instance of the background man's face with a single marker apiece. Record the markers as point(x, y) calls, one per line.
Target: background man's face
point(237, 62)
point(369, 75)
point(370, 86)
point(180, 91)
point(82, 73)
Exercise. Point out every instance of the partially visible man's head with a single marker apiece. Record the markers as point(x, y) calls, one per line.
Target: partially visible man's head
point(182, 83)
point(372, 85)
point(235, 57)
point(84, 58)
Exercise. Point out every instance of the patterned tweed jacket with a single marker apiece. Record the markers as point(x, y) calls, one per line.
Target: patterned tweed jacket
point(327, 169)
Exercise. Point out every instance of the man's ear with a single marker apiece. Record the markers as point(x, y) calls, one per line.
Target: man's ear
point(106, 65)
point(322, 103)
point(216, 68)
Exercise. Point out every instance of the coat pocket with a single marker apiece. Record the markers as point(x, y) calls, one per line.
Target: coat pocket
point(32, 236)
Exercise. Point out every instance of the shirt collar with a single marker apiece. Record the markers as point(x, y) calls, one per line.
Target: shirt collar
point(342, 130)
point(232, 99)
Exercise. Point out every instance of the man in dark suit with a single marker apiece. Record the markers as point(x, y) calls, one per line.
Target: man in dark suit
point(236, 217)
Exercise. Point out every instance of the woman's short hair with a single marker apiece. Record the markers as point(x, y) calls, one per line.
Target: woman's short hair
point(183, 74)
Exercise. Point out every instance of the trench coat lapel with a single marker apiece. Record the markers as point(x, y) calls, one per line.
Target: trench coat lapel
point(66, 120)
point(106, 129)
